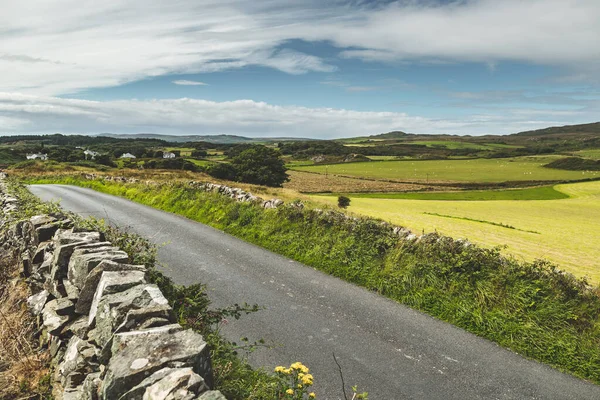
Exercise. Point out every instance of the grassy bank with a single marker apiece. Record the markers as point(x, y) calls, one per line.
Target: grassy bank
point(529, 307)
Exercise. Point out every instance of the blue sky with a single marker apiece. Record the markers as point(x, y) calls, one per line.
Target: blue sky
point(298, 68)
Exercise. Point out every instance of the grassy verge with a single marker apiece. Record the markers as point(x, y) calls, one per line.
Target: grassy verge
point(531, 308)
point(536, 193)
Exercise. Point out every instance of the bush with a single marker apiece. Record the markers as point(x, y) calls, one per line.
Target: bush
point(343, 202)
point(222, 171)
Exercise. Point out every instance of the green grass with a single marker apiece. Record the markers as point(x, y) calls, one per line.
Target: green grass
point(184, 151)
point(530, 308)
point(298, 163)
point(481, 221)
point(535, 193)
point(383, 158)
point(590, 153)
point(474, 170)
point(568, 227)
point(200, 163)
point(453, 145)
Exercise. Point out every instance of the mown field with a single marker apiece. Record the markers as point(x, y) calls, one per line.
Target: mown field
point(476, 170)
point(567, 230)
point(534, 193)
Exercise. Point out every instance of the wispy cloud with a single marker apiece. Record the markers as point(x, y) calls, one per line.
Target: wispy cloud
point(107, 43)
point(184, 82)
point(21, 113)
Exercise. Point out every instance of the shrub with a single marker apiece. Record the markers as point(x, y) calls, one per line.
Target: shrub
point(343, 202)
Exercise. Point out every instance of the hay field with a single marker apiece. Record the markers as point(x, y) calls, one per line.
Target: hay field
point(569, 229)
point(477, 170)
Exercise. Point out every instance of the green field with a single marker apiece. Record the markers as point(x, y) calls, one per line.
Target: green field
point(569, 230)
point(200, 163)
point(463, 145)
point(536, 193)
point(591, 153)
point(383, 158)
point(184, 151)
point(477, 170)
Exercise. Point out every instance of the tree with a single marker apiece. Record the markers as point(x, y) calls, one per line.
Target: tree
point(260, 165)
point(343, 202)
point(199, 153)
point(222, 171)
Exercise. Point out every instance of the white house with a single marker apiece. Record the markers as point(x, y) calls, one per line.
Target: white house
point(168, 154)
point(37, 156)
point(127, 155)
point(92, 154)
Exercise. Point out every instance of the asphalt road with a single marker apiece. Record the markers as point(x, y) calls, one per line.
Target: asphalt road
point(387, 349)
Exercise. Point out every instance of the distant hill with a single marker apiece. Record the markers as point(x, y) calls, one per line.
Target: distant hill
point(389, 135)
point(217, 139)
point(562, 130)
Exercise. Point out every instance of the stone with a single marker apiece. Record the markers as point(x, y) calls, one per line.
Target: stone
point(139, 355)
point(78, 326)
point(61, 257)
point(62, 306)
point(84, 260)
point(211, 395)
point(40, 252)
point(167, 383)
point(37, 302)
point(54, 345)
point(39, 220)
point(67, 236)
point(86, 295)
point(26, 266)
point(79, 360)
point(112, 309)
point(55, 315)
point(114, 289)
point(147, 317)
point(47, 231)
point(71, 290)
point(90, 386)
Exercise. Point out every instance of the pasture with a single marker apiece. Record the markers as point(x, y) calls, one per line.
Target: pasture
point(590, 153)
point(450, 144)
point(564, 231)
point(474, 170)
point(534, 193)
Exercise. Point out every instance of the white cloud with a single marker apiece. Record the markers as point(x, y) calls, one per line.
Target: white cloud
point(185, 82)
point(63, 46)
point(20, 113)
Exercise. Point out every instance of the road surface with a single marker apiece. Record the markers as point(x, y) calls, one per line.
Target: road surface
point(385, 348)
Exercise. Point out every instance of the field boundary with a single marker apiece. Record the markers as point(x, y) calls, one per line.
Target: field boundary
point(482, 222)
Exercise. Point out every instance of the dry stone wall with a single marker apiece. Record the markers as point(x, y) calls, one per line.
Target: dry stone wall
point(111, 334)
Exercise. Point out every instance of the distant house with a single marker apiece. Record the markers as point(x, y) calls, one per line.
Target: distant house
point(127, 155)
point(168, 154)
point(90, 153)
point(37, 156)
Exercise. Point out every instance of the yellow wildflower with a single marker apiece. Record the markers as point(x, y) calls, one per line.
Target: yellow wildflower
point(279, 369)
point(312, 395)
point(297, 365)
point(289, 391)
point(299, 386)
point(307, 379)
